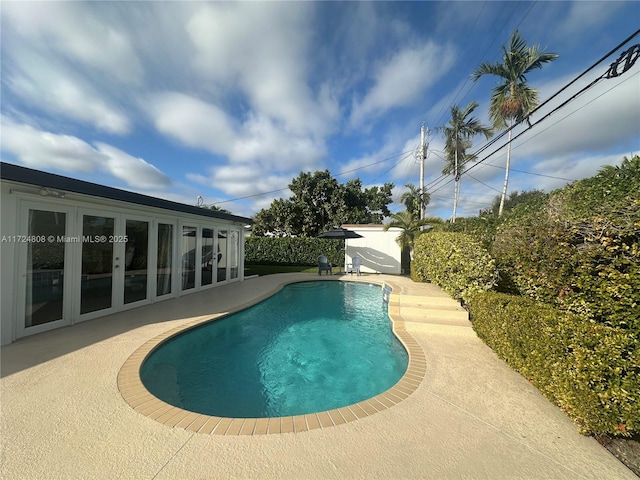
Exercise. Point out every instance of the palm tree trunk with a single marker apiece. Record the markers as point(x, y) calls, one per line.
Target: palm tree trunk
point(455, 201)
point(506, 173)
point(457, 185)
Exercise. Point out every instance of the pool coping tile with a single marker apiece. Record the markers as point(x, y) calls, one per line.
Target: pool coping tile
point(136, 395)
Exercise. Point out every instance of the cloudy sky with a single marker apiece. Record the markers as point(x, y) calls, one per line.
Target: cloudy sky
point(230, 101)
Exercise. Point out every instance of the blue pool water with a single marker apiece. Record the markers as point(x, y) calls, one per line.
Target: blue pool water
point(313, 346)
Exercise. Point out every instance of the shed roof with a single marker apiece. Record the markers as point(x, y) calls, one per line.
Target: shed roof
point(369, 226)
point(39, 178)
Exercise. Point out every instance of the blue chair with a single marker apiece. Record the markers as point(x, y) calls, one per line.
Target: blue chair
point(324, 265)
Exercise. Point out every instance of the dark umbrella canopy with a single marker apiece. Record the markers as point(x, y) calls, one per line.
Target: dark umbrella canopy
point(340, 233)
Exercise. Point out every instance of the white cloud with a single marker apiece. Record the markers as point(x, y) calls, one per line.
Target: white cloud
point(45, 150)
point(277, 148)
point(244, 180)
point(40, 149)
point(194, 122)
point(263, 50)
point(584, 15)
point(135, 171)
point(604, 117)
point(47, 84)
point(402, 80)
point(260, 142)
point(79, 31)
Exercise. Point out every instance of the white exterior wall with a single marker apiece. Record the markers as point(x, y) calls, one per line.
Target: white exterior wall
point(378, 249)
point(8, 226)
point(15, 201)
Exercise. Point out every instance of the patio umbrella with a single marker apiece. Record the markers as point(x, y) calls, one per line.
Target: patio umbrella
point(340, 233)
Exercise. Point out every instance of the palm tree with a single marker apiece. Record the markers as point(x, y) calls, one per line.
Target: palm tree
point(512, 99)
point(458, 134)
point(415, 200)
point(411, 228)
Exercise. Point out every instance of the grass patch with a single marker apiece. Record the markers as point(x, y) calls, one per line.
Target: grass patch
point(271, 269)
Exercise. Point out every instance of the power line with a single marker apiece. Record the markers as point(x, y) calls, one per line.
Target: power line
point(530, 173)
point(506, 131)
point(441, 114)
point(372, 164)
point(492, 141)
point(559, 107)
point(337, 175)
point(576, 110)
point(389, 169)
point(480, 181)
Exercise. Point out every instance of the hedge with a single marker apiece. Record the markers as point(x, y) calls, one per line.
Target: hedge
point(591, 371)
point(455, 261)
point(292, 250)
point(580, 249)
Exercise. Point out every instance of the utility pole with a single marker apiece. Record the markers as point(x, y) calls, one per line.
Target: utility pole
point(423, 155)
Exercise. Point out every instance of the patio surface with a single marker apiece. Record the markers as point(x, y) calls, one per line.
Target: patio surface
point(471, 417)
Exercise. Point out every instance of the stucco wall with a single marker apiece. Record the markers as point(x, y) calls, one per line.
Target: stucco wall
point(17, 199)
point(378, 249)
point(7, 259)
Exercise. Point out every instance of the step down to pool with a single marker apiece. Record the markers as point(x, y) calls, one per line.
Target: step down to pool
point(433, 312)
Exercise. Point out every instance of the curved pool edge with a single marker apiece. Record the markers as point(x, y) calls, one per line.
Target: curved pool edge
point(136, 395)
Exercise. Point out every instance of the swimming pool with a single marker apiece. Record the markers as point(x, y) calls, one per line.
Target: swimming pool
point(314, 346)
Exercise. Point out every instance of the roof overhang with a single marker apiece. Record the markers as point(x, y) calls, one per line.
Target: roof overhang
point(38, 178)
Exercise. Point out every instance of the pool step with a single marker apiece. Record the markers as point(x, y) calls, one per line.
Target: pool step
point(434, 312)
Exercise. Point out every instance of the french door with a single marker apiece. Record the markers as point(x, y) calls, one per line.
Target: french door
point(114, 267)
point(46, 260)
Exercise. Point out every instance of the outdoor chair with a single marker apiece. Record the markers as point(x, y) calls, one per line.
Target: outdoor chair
point(354, 266)
point(324, 265)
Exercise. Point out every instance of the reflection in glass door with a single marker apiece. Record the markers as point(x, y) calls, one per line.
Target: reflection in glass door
point(188, 258)
point(45, 267)
point(234, 244)
point(165, 255)
point(97, 263)
point(222, 255)
point(208, 260)
point(135, 261)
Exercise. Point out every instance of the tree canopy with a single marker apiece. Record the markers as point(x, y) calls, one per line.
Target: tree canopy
point(513, 100)
point(320, 203)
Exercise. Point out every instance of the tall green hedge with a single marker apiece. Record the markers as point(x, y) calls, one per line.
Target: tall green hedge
point(292, 250)
point(591, 371)
point(455, 261)
point(580, 249)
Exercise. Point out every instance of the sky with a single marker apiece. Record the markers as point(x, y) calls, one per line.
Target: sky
point(230, 101)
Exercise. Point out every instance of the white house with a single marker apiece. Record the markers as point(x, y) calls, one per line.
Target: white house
point(73, 250)
point(378, 249)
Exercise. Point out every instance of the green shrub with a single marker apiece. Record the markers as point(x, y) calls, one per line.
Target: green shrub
point(481, 228)
point(580, 248)
point(534, 255)
point(591, 371)
point(414, 275)
point(292, 250)
point(456, 262)
point(603, 214)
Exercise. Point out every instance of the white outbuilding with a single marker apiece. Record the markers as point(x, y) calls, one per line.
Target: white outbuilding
point(73, 250)
point(377, 248)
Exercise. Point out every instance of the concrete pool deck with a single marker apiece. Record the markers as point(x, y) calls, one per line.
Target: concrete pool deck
point(471, 416)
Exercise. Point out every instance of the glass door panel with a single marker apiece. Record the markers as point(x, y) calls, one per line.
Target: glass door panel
point(45, 267)
point(234, 244)
point(97, 263)
point(165, 256)
point(207, 256)
point(135, 261)
point(222, 255)
point(188, 258)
